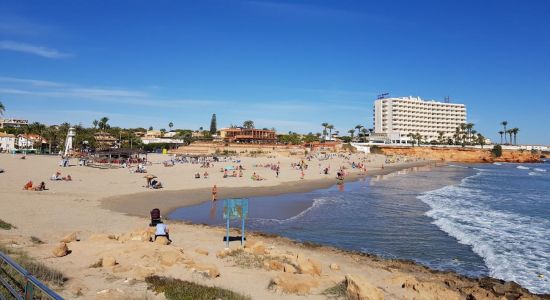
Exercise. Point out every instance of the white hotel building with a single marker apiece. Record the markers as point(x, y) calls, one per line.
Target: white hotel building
point(394, 118)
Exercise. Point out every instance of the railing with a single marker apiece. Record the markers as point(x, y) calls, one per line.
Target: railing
point(29, 288)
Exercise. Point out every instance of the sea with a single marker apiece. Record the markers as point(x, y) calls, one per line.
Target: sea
point(477, 220)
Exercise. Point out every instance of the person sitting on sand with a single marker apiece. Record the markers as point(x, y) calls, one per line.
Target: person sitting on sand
point(155, 184)
point(162, 230)
point(56, 176)
point(68, 178)
point(28, 186)
point(205, 175)
point(155, 217)
point(41, 187)
point(197, 175)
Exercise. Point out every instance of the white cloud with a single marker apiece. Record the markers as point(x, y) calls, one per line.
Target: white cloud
point(31, 82)
point(32, 49)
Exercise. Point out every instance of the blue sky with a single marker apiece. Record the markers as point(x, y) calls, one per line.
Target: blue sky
point(291, 65)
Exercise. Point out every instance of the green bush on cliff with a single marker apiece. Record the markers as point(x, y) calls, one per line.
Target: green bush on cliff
point(497, 151)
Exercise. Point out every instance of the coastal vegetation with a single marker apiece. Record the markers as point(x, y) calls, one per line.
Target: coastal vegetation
point(2, 108)
point(497, 151)
point(36, 268)
point(175, 289)
point(5, 225)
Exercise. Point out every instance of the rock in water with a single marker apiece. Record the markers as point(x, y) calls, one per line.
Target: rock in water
point(358, 288)
point(61, 250)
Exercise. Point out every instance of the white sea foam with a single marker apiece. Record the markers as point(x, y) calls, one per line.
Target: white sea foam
point(534, 174)
point(539, 170)
point(522, 168)
point(317, 202)
point(514, 247)
point(498, 164)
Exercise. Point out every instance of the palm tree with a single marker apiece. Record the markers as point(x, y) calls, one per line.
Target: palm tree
point(441, 137)
point(95, 123)
point(411, 137)
point(2, 109)
point(501, 133)
point(481, 140)
point(515, 132)
point(330, 127)
point(358, 127)
point(509, 132)
point(103, 121)
point(504, 123)
point(170, 125)
point(325, 125)
point(469, 128)
point(364, 132)
point(351, 132)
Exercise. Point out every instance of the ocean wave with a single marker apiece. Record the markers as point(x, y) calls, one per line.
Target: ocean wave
point(514, 247)
point(534, 174)
point(539, 170)
point(317, 202)
point(457, 166)
point(497, 163)
point(522, 168)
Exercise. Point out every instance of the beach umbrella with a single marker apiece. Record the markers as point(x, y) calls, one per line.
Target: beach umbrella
point(149, 176)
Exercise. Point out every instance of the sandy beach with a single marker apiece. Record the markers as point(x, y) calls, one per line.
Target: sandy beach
point(108, 212)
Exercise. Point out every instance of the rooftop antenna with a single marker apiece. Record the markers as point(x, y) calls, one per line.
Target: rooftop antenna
point(383, 96)
point(447, 99)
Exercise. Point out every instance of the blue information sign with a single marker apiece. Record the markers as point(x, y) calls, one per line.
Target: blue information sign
point(235, 209)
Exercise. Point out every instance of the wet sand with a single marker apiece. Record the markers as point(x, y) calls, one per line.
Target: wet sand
point(139, 204)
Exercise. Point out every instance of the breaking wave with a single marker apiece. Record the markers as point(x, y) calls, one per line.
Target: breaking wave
point(513, 246)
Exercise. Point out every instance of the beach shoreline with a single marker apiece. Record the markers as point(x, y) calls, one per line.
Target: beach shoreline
point(107, 219)
point(139, 204)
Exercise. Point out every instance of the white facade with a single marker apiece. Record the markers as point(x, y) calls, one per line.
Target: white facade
point(7, 142)
point(397, 117)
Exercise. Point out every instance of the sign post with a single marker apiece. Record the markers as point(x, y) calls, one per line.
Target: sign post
point(234, 209)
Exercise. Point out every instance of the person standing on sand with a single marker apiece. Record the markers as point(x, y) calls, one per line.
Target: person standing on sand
point(214, 193)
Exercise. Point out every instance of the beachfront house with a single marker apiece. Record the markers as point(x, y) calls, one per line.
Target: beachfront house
point(104, 140)
point(7, 142)
point(248, 135)
point(30, 141)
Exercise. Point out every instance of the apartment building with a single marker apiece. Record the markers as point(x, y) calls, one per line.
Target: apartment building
point(397, 117)
point(7, 142)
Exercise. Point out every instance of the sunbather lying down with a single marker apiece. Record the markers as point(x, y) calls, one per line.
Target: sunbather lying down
point(41, 187)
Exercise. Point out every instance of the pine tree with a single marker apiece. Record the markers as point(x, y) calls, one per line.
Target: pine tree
point(213, 125)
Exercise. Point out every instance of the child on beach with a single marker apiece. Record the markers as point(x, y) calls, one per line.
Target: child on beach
point(214, 193)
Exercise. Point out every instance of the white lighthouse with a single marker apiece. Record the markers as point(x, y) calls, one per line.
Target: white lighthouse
point(69, 141)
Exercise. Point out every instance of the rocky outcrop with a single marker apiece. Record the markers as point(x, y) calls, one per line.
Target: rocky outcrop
point(465, 155)
point(61, 250)
point(294, 283)
point(358, 288)
point(71, 237)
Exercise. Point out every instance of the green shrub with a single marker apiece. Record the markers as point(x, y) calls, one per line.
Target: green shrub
point(497, 151)
point(175, 289)
point(5, 225)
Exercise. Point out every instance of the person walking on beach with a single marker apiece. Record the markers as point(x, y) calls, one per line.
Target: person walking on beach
point(214, 193)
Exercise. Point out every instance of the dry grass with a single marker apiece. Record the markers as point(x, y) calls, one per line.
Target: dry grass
point(36, 240)
point(336, 292)
point(36, 268)
point(175, 289)
point(5, 225)
point(247, 260)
